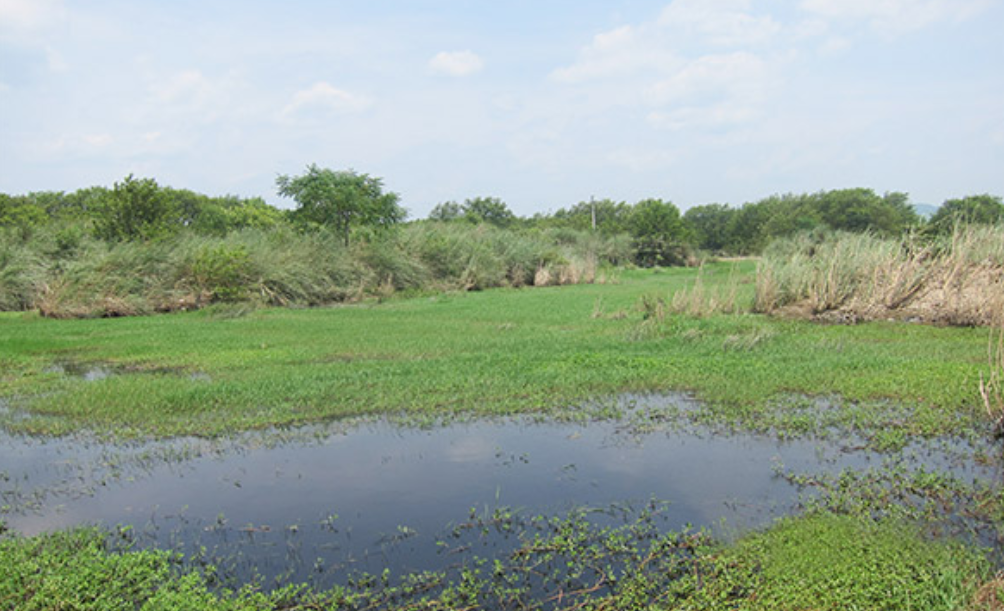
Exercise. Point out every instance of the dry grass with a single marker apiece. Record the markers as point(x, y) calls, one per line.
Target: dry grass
point(701, 300)
point(992, 384)
point(990, 597)
point(847, 277)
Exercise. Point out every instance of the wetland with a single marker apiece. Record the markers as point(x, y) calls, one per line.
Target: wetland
point(508, 449)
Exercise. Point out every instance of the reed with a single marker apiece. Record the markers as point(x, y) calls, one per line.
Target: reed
point(956, 280)
point(992, 383)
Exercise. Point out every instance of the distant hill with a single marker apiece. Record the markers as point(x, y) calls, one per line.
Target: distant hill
point(925, 210)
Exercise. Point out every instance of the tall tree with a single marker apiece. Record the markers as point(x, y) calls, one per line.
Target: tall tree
point(342, 199)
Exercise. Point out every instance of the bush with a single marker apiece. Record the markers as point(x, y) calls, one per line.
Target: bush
point(222, 272)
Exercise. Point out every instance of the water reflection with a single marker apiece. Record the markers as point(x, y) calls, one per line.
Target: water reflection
point(380, 495)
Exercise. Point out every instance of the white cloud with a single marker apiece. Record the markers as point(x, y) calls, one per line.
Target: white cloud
point(457, 63)
point(742, 75)
point(191, 97)
point(692, 67)
point(26, 17)
point(720, 22)
point(322, 99)
point(896, 16)
point(619, 52)
point(724, 114)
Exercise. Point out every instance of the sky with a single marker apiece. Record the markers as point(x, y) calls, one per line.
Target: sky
point(541, 103)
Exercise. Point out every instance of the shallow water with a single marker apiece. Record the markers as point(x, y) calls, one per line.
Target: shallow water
point(326, 502)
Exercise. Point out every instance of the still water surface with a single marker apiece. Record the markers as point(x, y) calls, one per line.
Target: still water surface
point(319, 506)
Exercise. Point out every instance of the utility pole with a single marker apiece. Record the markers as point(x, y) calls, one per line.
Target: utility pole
point(592, 209)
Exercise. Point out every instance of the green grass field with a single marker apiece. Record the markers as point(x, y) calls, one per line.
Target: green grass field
point(499, 352)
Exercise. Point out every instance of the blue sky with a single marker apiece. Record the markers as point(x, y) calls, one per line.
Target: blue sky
point(542, 104)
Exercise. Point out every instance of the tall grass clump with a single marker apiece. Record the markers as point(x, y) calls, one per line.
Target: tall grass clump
point(473, 257)
point(69, 273)
point(707, 297)
point(956, 279)
point(22, 271)
point(189, 271)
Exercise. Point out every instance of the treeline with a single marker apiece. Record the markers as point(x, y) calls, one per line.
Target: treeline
point(136, 209)
point(139, 247)
point(660, 234)
point(722, 229)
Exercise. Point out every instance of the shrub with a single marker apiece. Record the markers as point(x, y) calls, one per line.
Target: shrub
point(222, 272)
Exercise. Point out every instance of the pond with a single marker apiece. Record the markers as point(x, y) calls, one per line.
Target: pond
point(320, 504)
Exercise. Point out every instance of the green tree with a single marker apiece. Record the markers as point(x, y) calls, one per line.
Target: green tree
point(342, 199)
point(136, 209)
point(21, 211)
point(903, 212)
point(786, 215)
point(711, 226)
point(860, 210)
point(491, 210)
point(659, 233)
point(985, 209)
point(611, 217)
point(445, 212)
point(253, 212)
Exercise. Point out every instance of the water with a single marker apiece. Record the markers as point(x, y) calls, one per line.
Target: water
point(330, 502)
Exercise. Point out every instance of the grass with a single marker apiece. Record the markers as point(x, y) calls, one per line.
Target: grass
point(827, 561)
point(992, 385)
point(821, 561)
point(488, 353)
point(85, 277)
point(954, 280)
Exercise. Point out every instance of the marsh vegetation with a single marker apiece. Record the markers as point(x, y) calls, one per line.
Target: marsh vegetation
point(872, 442)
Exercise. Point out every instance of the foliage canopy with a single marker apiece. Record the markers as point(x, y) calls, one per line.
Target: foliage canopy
point(341, 199)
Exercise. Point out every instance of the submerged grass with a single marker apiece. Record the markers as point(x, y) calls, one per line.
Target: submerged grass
point(498, 352)
point(821, 561)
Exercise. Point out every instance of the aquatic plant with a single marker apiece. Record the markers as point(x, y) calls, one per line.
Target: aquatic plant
point(560, 563)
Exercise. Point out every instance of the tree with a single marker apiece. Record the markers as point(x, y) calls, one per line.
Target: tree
point(136, 209)
point(659, 233)
point(341, 199)
point(986, 209)
point(863, 210)
point(491, 210)
point(445, 212)
point(711, 226)
point(611, 217)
